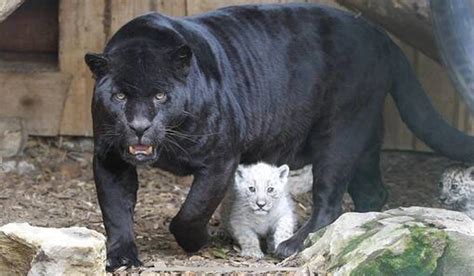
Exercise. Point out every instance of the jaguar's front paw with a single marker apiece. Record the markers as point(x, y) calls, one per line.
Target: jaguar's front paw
point(190, 238)
point(289, 247)
point(123, 256)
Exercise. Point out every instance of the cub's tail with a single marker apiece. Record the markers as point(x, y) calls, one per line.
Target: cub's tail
point(301, 181)
point(420, 116)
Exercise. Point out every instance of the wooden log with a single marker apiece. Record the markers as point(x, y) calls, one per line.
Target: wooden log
point(409, 20)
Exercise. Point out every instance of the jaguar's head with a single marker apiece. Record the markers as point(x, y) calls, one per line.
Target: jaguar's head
point(140, 94)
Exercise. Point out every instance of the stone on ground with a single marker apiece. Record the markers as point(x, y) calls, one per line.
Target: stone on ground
point(13, 136)
point(29, 250)
point(404, 241)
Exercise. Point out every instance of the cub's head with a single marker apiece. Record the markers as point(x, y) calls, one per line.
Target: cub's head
point(141, 89)
point(259, 186)
point(457, 186)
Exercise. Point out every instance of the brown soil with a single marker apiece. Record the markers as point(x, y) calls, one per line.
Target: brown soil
point(61, 193)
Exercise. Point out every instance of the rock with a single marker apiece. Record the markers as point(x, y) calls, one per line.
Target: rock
point(13, 136)
point(21, 167)
point(404, 241)
point(29, 250)
point(7, 7)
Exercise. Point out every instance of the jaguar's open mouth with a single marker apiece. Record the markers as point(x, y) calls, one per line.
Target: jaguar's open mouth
point(140, 149)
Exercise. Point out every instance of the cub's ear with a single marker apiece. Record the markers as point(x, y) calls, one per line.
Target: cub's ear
point(98, 64)
point(470, 172)
point(284, 171)
point(181, 59)
point(239, 173)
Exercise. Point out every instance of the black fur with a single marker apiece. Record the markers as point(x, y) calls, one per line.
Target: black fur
point(295, 84)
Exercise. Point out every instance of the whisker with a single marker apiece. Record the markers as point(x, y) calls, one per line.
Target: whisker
point(177, 145)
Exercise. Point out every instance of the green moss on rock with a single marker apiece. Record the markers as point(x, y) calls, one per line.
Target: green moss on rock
point(314, 237)
point(420, 257)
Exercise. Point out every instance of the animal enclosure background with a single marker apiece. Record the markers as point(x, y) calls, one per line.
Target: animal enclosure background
point(46, 81)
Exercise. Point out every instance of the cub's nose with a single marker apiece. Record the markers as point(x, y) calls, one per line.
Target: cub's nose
point(442, 199)
point(261, 204)
point(139, 126)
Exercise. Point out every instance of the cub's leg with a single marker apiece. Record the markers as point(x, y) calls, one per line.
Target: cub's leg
point(342, 144)
point(117, 184)
point(189, 226)
point(283, 230)
point(248, 241)
point(367, 189)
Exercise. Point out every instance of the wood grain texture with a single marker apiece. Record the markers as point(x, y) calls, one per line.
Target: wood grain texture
point(200, 6)
point(81, 30)
point(407, 19)
point(123, 11)
point(439, 88)
point(173, 8)
point(36, 97)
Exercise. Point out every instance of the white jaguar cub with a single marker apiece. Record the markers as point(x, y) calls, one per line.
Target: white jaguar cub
point(259, 205)
point(457, 189)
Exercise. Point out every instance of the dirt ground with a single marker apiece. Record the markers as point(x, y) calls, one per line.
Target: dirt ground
point(60, 192)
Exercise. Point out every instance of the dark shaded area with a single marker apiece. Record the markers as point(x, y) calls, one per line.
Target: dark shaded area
point(30, 37)
point(33, 27)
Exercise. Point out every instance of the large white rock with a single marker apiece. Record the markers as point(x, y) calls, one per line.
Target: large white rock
point(404, 241)
point(29, 250)
point(7, 7)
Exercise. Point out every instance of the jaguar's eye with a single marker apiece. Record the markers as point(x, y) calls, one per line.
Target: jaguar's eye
point(252, 189)
point(454, 187)
point(119, 96)
point(270, 189)
point(161, 97)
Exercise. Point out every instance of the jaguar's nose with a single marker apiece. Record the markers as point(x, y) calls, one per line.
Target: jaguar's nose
point(139, 126)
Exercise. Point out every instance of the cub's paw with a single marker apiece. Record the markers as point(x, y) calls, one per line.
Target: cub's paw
point(254, 253)
point(190, 238)
point(289, 247)
point(125, 256)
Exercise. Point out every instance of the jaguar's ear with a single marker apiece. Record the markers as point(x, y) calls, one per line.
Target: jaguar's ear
point(181, 59)
point(98, 64)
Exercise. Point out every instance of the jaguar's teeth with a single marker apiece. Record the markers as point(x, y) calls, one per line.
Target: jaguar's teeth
point(140, 149)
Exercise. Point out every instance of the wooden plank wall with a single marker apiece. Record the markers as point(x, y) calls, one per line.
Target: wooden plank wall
point(86, 26)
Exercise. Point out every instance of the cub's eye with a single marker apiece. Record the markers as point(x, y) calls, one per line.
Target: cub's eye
point(454, 187)
point(161, 97)
point(252, 189)
point(270, 189)
point(119, 96)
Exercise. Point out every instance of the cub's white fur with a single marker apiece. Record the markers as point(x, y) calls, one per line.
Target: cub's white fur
point(259, 205)
point(457, 188)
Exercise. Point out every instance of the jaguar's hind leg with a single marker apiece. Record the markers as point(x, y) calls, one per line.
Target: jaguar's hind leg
point(367, 189)
point(340, 143)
